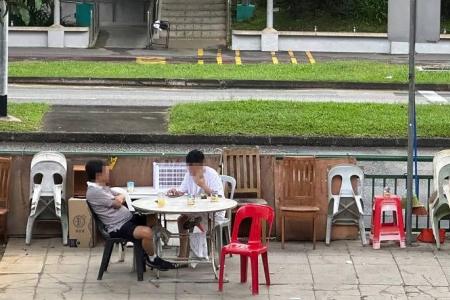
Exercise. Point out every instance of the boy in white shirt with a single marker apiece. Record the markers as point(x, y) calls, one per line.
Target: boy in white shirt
point(199, 179)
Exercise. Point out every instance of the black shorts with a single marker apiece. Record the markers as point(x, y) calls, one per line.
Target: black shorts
point(127, 229)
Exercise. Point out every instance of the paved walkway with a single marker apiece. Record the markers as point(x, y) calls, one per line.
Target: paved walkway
point(191, 55)
point(346, 270)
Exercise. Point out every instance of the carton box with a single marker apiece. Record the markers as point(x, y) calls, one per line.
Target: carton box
point(81, 224)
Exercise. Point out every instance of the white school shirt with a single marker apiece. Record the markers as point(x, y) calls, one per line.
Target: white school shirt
point(212, 180)
point(197, 240)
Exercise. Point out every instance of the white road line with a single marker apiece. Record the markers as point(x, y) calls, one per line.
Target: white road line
point(433, 97)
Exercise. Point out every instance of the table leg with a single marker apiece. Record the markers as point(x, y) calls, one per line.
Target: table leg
point(213, 243)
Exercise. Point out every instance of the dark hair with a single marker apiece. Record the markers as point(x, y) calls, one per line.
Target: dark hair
point(195, 157)
point(93, 167)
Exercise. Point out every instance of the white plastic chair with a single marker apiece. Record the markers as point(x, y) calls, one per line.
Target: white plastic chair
point(440, 207)
point(48, 187)
point(341, 207)
point(225, 223)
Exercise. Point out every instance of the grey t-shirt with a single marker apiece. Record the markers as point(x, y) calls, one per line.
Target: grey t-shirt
point(101, 200)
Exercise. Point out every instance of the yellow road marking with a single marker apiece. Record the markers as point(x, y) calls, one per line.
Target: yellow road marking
point(292, 56)
point(219, 56)
point(274, 58)
point(150, 60)
point(310, 57)
point(200, 54)
point(237, 58)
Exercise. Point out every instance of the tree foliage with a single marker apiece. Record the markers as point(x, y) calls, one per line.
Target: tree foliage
point(367, 10)
point(31, 12)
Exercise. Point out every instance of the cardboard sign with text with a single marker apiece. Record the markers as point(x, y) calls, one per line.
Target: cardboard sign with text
point(81, 224)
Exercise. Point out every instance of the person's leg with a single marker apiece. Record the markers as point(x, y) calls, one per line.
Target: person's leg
point(152, 220)
point(184, 240)
point(145, 234)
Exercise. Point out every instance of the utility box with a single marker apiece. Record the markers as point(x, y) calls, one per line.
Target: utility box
point(81, 224)
point(83, 14)
point(428, 21)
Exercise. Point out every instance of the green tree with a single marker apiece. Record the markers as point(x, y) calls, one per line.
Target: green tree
point(31, 12)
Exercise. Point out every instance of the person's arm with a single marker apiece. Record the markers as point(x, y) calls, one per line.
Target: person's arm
point(200, 180)
point(118, 201)
point(101, 197)
point(174, 192)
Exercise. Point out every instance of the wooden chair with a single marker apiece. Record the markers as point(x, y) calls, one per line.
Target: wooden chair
point(294, 191)
point(5, 172)
point(244, 165)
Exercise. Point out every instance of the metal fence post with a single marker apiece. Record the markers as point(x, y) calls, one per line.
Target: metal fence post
point(3, 58)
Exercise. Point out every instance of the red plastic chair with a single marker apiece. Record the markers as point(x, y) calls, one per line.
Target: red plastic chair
point(254, 246)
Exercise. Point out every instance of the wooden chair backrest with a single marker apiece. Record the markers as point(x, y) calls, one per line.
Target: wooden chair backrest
point(244, 165)
point(295, 181)
point(5, 172)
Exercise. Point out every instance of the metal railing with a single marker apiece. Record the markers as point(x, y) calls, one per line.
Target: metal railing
point(397, 183)
point(94, 27)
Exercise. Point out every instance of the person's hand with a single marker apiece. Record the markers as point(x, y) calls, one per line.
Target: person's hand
point(199, 180)
point(120, 198)
point(173, 192)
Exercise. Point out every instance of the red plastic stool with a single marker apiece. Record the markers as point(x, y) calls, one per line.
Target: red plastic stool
point(387, 231)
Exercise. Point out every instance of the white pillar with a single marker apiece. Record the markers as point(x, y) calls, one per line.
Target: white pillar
point(57, 13)
point(269, 36)
point(3, 62)
point(269, 20)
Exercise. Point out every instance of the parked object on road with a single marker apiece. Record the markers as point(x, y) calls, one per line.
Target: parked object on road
point(382, 231)
point(48, 191)
point(439, 204)
point(345, 204)
point(294, 192)
point(5, 174)
point(260, 215)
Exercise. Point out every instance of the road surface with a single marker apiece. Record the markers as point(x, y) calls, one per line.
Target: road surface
point(124, 96)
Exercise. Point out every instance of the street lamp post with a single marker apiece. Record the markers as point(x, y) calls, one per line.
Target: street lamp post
point(3, 58)
point(411, 118)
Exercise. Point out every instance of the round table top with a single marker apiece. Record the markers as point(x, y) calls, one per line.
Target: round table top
point(179, 205)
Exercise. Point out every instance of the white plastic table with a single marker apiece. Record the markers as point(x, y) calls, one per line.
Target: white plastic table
point(148, 205)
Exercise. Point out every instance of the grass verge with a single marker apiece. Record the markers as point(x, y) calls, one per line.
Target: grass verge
point(31, 115)
point(349, 71)
point(285, 118)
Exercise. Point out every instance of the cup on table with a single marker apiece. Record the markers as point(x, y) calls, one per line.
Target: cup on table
point(130, 186)
point(161, 200)
point(190, 200)
point(214, 197)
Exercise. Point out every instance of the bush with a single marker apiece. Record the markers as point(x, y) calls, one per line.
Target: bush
point(362, 10)
point(31, 12)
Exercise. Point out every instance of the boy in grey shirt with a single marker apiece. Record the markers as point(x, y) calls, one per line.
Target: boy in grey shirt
point(118, 220)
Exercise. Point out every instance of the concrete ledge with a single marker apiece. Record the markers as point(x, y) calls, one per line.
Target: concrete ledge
point(221, 84)
point(63, 137)
point(59, 37)
point(350, 42)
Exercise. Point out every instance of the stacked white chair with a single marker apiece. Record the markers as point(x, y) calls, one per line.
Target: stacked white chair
point(48, 191)
point(346, 208)
point(439, 207)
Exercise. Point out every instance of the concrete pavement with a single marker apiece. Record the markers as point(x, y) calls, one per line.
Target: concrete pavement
point(105, 119)
point(344, 270)
point(190, 55)
point(126, 96)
